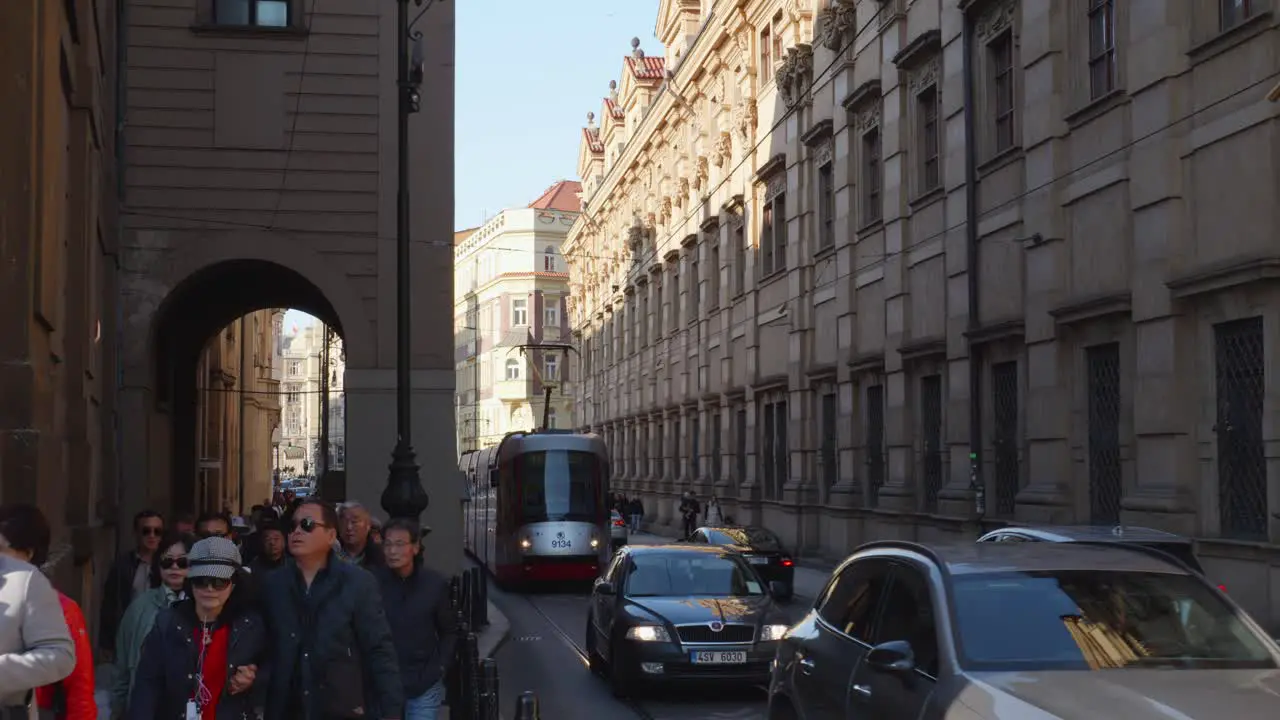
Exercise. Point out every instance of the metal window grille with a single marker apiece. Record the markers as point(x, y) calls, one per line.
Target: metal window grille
point(875, 443)
point(695, 436)
point(715, 446)
point(740, 439)
point(1004, 388)
point(676, 439)
point(781, 449)
point(931, 436)
point(766, 450)
point(830, 471)
point(1242, 470)
point(1105, 485)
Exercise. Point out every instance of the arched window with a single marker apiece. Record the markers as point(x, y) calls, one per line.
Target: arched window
point(513, 369)
point(549, 259)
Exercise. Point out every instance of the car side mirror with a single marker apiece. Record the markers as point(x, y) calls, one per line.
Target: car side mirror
point(777, 589)
point(606, 588)
point(895, 656)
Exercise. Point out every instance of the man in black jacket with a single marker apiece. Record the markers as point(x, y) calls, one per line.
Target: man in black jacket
point(422, 619)
point(129, 577)
point(332, 651)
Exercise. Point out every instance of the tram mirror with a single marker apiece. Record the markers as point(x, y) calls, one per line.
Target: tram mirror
point(493, 478)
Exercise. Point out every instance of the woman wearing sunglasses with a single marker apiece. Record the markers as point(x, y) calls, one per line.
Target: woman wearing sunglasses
point(200, 661)
point(168, 578)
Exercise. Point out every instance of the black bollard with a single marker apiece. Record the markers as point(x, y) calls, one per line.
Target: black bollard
point(489, 681)
point(527, 706)
point(455, 591)
point(483, 607)
point(466, 595)
point(473, 676)
point(476, 581)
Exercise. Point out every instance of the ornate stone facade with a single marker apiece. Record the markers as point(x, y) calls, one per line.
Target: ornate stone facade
point(796, 337)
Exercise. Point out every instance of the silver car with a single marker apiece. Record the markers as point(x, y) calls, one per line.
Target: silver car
point(1014, 631)
point(618, 529)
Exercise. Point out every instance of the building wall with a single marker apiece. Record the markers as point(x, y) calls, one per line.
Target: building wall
point(58, 274)
point(1120, 249)
point(300, 398)
point(511, 283)
point(238, 406)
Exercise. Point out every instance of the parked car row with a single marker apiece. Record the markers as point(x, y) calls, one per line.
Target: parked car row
point(1025, 624)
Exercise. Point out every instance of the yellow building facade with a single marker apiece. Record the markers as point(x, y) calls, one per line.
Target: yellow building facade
point(238, 409)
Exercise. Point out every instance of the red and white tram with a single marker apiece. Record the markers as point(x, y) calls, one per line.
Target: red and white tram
point(538, 509)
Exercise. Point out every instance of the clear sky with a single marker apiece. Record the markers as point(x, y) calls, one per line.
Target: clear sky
point(528, 72)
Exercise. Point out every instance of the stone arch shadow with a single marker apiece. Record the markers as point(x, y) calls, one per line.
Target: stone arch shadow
point(215, 279)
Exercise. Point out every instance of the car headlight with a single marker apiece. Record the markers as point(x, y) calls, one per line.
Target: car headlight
point(648, 633)
point(773, 632)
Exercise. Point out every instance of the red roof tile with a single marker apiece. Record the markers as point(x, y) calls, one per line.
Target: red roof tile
point(592, 136)
point(562, 196)
point(615, 109)
point(647, 68)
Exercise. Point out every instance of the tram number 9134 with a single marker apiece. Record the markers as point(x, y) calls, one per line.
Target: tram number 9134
point(561, 544)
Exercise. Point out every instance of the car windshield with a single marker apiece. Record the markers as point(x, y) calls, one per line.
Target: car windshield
point(558, 485)
point(689, 575)
point(1099, 620)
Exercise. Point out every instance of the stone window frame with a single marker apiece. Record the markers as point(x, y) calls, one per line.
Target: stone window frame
point(870, 154)
point(821, 389)
point(767, 402)
point(296, 18)
point(692, 308)
point(710, 234)
point(673, 270)
point(1210, 34)
point(524, 309)
point(1080, 54)
point(642, 317)
point(771, 191)
point(996, 22)
point(820, 142)
point(920, 62)
point(1225, 21)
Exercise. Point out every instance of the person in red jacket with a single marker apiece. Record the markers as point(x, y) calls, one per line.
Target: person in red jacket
point(24, 534)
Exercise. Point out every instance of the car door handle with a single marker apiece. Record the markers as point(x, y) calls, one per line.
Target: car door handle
point(863, 690)
point(806, 666)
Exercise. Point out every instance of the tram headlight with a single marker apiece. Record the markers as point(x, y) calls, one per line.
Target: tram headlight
point(526, 544)
point(595, 543)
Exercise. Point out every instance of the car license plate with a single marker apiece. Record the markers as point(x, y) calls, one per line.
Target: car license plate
point(561, 544)
point(719, 657)
point(759, 561)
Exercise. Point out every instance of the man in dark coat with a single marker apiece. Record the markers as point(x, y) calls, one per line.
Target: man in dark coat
point(423, 622)
point(332, 650)
point(129, 577)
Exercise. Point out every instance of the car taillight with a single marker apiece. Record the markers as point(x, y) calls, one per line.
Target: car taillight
point(787, 562)
point(618, 523)
point(1223, 588)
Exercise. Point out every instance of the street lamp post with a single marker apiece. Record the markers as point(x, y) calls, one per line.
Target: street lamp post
point(404, 496)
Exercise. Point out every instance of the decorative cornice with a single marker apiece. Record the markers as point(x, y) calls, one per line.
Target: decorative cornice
point(922, 48)
point(711, 224)
point(689, 240)
point(864, 94)
point(923, 349)
point(819, 132)
point(1076, 311)
point(771, 166)
point(1219, 277)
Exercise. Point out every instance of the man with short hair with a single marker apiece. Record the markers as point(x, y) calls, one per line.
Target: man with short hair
point(332, 651)
point(356, 534)
point(211, 524)
point(129, 577)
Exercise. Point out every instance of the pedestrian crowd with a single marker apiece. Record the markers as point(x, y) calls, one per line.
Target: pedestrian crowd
point(303, 611)
point(690, 509)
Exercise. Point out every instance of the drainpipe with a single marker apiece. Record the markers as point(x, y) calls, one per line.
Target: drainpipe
point(976, 483)
point(244, 392)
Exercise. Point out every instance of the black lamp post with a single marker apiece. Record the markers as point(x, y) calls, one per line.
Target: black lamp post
point(404, 497)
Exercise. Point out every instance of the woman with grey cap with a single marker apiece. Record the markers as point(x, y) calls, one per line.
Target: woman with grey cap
point(201, 660)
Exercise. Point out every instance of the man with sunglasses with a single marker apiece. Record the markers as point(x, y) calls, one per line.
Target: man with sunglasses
point(332, 651)
point(129, 577)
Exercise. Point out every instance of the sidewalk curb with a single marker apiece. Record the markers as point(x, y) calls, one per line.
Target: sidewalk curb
point(495, 634)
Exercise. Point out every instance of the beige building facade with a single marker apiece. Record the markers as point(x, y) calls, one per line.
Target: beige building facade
point(817, 271)
point(260, 144)
point(301, 393)
point(237, 411)
point(511, 286)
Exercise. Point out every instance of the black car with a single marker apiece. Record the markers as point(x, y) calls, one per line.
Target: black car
point(664, 613)
point(761, 547)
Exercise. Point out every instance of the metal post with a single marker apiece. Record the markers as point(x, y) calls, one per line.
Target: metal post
point(404, 495)
point(489, 683)
point(472, 671)
point(322, 468)
point(527, 706)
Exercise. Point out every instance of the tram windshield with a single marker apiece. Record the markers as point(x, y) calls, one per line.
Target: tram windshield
point(558, 485)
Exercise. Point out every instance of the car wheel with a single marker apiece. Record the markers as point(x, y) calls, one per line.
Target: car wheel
point(593, 655)
point(620, 680)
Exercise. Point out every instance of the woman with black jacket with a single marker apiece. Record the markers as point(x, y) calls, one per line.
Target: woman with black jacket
point(201, 660)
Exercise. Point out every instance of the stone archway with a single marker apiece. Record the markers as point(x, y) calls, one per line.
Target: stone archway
point(172, 312)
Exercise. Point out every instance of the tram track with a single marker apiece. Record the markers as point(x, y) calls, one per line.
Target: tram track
point(632, 705)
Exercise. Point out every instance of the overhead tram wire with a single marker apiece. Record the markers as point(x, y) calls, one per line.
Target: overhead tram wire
point(297, 110)
point(880, 258)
